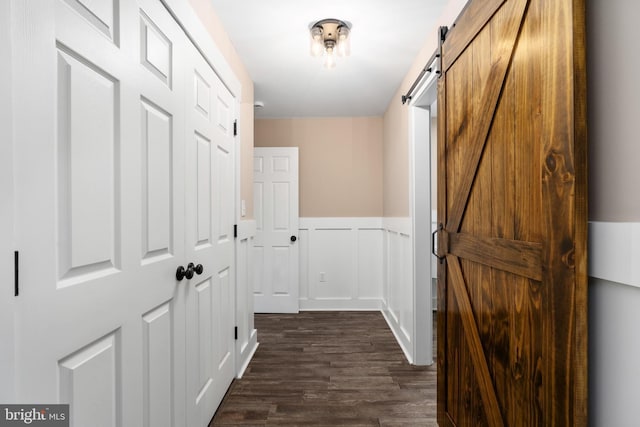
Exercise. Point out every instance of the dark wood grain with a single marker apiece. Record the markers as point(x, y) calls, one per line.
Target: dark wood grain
point(515, 256)
point(329, 369)
point(441, 360)
point(562, 211)
point(473, 18)
point(472, 338)
point(513, 196)
point(505, 41)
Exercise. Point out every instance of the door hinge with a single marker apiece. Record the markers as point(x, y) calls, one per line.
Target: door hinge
point(235, 128)
point(16, 273)
point(235, 231)
point(235, 333)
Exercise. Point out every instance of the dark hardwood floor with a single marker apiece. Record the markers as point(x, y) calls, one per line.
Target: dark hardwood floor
point(329, 369)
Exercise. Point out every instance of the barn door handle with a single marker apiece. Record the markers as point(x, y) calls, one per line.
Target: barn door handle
point(433, 243)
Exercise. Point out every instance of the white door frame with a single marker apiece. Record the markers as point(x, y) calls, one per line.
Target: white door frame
point(420, 203)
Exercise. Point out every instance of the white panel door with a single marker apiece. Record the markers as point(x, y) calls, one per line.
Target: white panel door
point(275, 195)
point(210, 242)
point(99, 161)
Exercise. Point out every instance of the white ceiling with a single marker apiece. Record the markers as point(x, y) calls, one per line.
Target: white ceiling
point(272, 38)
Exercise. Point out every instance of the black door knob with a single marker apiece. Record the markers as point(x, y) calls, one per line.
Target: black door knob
point(198, 269)
point(180, 273)
point(190, 270)
point(294, 238)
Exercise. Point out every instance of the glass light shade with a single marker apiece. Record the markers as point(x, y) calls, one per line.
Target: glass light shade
point(330, 59)
point(316, 42)
point(344, 43)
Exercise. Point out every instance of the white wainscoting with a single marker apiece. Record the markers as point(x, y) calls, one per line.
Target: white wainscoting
point(398, 305)
point(247, 342)
point(341, 264)
point(614, 252)
point(614, 298)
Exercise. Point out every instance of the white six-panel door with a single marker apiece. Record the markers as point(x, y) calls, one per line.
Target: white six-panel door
point(115, 191)
point(210, 242)
point(275, 248)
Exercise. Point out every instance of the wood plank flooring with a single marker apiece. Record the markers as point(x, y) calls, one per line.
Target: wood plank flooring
point(329, 369)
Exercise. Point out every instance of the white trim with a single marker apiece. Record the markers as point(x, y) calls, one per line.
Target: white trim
point(246, 229)
point(399, 225)
point(244, 307)
point(399, 335)
point(333, 223)
point(614, 252)
point(248, 355)
point(340, 304)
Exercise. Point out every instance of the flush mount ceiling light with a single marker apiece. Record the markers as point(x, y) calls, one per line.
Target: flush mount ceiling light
point(330, 37)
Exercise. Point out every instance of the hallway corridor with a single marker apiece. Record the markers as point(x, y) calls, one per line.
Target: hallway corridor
point(329, 369)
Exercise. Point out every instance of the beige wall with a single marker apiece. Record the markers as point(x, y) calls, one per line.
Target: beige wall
point(396, 124)
point(340, 162)
point(207, 15)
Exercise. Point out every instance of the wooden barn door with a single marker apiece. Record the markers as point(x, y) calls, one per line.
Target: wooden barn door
point(512, 147)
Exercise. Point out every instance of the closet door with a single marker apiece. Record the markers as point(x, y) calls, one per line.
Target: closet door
point(99, 161)
point(209, 240)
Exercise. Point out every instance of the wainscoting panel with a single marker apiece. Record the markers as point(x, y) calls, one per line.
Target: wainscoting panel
point(341, 264)
point(247, 336)
point(398, 303)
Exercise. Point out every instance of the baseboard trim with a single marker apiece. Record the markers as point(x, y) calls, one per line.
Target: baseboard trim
point(340, 304)
point(399, 339)
point(252, 347)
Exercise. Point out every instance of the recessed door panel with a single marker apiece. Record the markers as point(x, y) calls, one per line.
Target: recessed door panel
point(202, 95)
point(102, 14)
point(281, 206)
point(155, 50)
point(157, 180)
point(204, 171)
point(280, 164)
point(89, 382)
point(224, 194)
point(87, 165)
point(258, 203)
point(222, 323)
point(281, 280)
point(258, 270)
point(158, 352)
point(223, 116)
point(205, 329)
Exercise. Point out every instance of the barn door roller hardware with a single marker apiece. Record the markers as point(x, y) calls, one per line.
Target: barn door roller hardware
point(432, 66)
